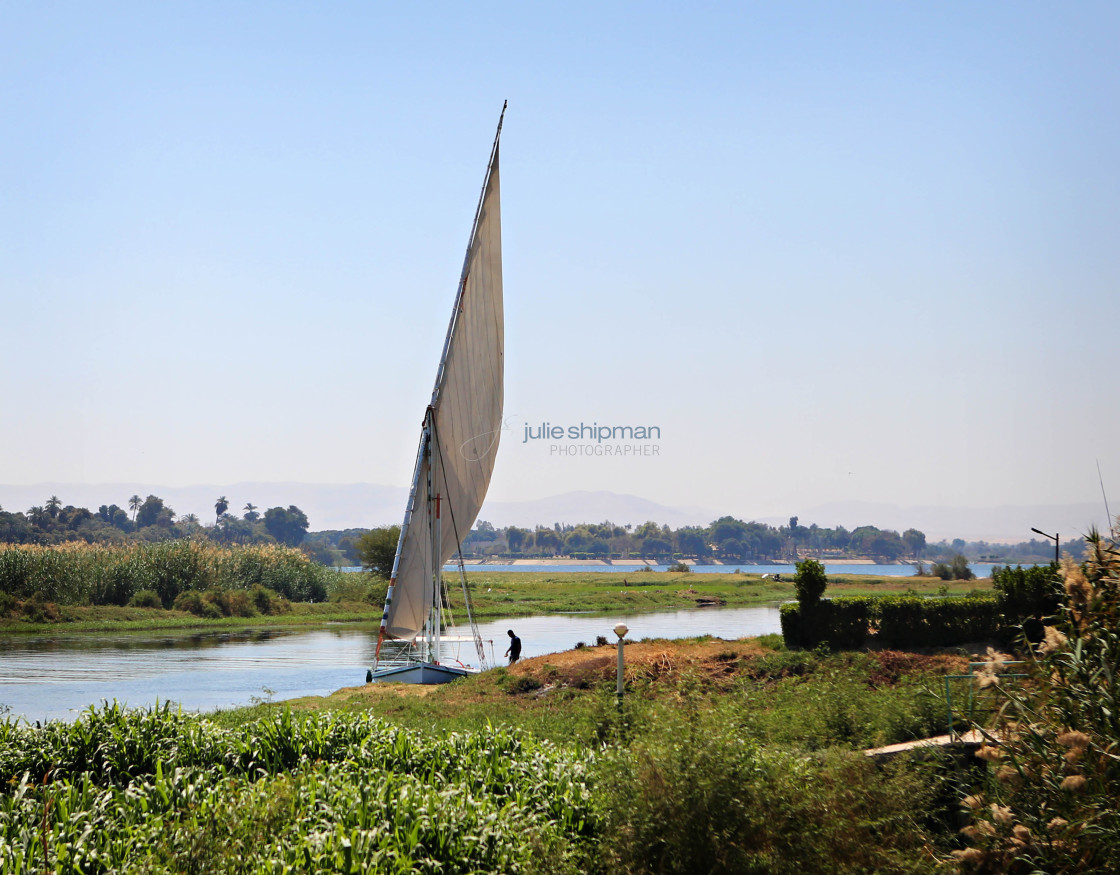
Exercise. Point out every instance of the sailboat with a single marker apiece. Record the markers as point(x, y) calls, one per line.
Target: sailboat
point(455, 460)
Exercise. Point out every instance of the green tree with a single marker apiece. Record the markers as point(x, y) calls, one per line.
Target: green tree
point(515, 537)
point(547, 540)
point(914, 542)
point(809, 582)
point(148, 514)
point(286, 526)
point(251, 513)
point(377, 549)
point(134, 506)
point(693, 541)
point(53, 506)
point(220, 507)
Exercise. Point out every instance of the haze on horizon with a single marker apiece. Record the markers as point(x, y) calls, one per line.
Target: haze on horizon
point(833, 254)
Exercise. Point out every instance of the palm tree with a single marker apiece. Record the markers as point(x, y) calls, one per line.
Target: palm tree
point(251, 512)
point(134, 505)
point(52, 506)
point(220, 507)
point(190, 519)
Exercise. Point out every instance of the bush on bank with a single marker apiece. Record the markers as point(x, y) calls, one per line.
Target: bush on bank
point(893, 621)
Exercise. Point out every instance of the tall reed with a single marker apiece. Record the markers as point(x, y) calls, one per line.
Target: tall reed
point(78, 573)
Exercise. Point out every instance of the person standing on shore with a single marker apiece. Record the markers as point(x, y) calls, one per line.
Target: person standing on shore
point(514, 651)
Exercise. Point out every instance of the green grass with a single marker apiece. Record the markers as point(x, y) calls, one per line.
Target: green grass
point(520, 593)
point(756, 769)
point(358, 598)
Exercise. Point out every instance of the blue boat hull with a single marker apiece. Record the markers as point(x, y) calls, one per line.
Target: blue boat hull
point(420, 673)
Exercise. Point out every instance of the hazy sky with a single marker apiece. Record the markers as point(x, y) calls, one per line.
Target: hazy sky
point(832, 251)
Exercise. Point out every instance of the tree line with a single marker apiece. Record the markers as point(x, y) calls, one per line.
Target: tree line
point(726, 539)
point(150, 519)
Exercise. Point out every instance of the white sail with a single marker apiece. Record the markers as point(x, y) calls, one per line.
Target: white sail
point(462, 426)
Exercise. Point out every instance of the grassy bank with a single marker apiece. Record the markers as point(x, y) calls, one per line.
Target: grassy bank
point(521, 593)
point(809, 699)
point(726, 757)
point(348, 597)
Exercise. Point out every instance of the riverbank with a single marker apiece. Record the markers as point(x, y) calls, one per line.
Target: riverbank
point(718, 745)
point(494, 595)
point(565, 696)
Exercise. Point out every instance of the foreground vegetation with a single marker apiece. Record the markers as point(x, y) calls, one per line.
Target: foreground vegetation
point(724, 757)
point(727, 757)
point(1051, 804)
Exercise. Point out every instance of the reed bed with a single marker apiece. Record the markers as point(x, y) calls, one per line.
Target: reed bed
point(78, 573)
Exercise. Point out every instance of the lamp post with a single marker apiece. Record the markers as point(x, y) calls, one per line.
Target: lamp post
point(620, 630)
point(1053, 538)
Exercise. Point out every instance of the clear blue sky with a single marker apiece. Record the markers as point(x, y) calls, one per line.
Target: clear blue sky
point(833, 251)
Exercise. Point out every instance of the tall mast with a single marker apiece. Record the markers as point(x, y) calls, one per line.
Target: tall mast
point(436, 504)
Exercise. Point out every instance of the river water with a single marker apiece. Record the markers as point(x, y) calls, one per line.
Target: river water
point(55, 677)
point(980, 569)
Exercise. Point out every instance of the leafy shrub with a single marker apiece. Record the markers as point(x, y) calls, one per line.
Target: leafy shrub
point(694, 794)
point(194, 603)
point(145, 598)
point(35, 610)
point(518, 684)
point(809, 582)
point(956, 569)
point(680, 567)
point(1027, 597)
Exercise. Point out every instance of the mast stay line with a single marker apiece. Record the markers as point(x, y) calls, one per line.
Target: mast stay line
point(427, 433)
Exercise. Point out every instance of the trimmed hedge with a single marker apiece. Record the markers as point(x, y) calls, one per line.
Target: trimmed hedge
point(896, 621)
point(913, 621)
point(839, 623)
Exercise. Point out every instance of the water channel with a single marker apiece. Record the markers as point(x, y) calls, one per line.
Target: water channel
point(55, 677)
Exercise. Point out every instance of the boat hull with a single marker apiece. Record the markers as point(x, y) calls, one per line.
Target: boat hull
point(420, 673)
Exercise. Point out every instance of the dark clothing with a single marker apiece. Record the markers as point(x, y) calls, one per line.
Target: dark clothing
point(514, 649)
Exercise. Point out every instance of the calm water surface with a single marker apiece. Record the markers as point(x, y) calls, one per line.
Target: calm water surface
point(56, 677)
point(980, 569)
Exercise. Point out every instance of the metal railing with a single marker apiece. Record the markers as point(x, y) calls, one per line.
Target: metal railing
point(975, 703)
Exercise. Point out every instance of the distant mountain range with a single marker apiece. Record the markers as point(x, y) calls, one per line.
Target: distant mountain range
point(364, 505)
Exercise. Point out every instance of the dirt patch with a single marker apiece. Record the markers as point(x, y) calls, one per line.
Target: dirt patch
point(895, 665)
point(715, 660)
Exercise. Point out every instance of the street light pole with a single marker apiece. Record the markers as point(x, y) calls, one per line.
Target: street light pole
point(620, 630)
point(1053, 538)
